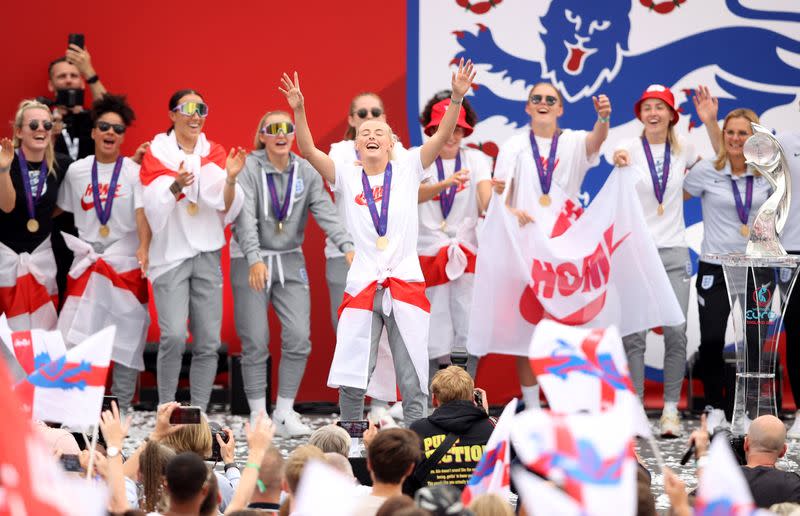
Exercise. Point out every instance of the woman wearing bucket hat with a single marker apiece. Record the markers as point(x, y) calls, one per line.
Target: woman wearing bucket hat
point(448, 215)
point(658, 160)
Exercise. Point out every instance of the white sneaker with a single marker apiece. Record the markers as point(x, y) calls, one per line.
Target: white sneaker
point(289, 425)
point(397, 411)
point(670, 425)
point(794, 431)
point(716, 419)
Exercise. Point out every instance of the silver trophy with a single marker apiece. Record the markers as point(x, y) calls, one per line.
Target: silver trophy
point(763, 152)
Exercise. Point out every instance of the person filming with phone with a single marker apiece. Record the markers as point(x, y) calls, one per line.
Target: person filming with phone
point(455, 435)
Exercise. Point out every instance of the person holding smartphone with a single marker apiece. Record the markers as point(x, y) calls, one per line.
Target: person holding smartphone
point(104, 194)
point(385, 285)
point(267, 264)
point(190, 195)
point(30, 174)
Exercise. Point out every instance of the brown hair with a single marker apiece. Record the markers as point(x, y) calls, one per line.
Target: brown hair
point(152, 467)
point(257, 143)
point(490, 504)
point(722, 155)
point(470, 115)
point(49, 152)
point(271, 471)
point(452, 383)
point(350, 133)
point(391, 453)
point(394, 504)
point(293, 468)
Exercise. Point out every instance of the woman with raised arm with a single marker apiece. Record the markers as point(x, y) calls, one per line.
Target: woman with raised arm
point(385, 286)
point(658, 160)
point(190, 195)
point(542, 159)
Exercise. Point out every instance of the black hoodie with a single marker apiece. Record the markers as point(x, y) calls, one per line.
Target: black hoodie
point(472, 426)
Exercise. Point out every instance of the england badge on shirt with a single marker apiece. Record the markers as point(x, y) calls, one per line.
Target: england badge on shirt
point(707, 281)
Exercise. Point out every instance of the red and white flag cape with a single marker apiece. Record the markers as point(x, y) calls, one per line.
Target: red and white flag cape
point(590, 456)
point(32, 348)
point(411, 309)
point(31, 480)
point(28, 290)
point(722, 488)
point(105, 289)
point(70, 389)
point(603, 270)
point(446, 260)
point(583, 370)
point(491, 475)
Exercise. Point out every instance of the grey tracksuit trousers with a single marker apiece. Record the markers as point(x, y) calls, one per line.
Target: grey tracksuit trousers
point(675, 260)
point(336, 276)
point(192, 290)
point(292, 303)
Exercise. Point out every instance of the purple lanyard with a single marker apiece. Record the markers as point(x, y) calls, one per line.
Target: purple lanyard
point(743, 209)
point(381, 222)
point(448, 196)
point(104, 212)
point(658, 187)
point(30, 199)
point(280, 213)
point(545, 174)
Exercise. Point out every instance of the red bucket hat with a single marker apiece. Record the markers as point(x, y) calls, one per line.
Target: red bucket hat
point(437, 113)
point(660, 92)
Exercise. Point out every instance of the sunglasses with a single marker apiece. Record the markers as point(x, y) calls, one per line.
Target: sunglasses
point(46, 124)
point(549, 99)
point(190, 108)
point(363, 112)
point(105, 126)
point(276, 128)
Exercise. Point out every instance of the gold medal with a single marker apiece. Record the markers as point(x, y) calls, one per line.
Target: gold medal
point(744, 230)
point(660, 209)
point(104, 231)
point(32, 225)
point(382, 243)
point(280, 226)
point(544, 200)
point(192, 209)
point(443, 225)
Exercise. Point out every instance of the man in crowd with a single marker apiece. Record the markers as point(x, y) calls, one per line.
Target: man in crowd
point(187, 483)
point(293, 470)
point(268, 501)
point(459, 418)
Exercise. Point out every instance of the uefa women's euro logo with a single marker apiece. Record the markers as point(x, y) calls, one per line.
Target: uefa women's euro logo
point(760, 311)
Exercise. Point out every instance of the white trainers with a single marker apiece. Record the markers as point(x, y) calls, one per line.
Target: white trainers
point(289, 425)
point(670, 425)
point(397, 411)
point(794, 431)
point(716, 419)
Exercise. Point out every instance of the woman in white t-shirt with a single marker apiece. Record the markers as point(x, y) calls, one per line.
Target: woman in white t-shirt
point(544, 163)
point(658, 160)
point(385, 285)
point(104, 194)
point(449, 210)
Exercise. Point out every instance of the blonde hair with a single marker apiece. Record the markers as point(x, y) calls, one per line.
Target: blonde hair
point(191, 438)
point(543, 83)
point(331, 438)
point(257, 143)
point(490, 504)
point(452, 383)
point(722, 155)
point(25, 105)
point(350, 133)
point(293, 467)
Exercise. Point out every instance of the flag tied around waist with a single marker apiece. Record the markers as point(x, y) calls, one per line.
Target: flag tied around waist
point(593, 270)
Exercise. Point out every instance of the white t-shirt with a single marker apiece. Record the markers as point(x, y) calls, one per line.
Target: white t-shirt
point(668, 229)
point(790, 142)
point(345, 152)
point(75, 196)
point(463, 216)
point(399, 259)
point(515, 163)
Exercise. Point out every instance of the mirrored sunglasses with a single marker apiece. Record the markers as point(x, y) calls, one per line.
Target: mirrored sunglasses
point(277, 128)
point(190, 108)
point(549, 99)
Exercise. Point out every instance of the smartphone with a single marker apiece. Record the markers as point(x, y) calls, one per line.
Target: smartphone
point(687, 454)
point(476, 395)
point(355, 428)
point(107, 400)
point(76, 39)
point(185, 416)
point(71, 463)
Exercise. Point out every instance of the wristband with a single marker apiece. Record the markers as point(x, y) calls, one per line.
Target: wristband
point(603, 120)
point(230, 465)
point(3, 170)
point(229, 182)
point(252, 465)
point(259, 483)
point(93, 79)
point(175, 188)
point(454, 101)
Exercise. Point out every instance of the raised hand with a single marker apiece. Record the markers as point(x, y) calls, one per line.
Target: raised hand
point(184, 177)
point(81, 58)
point(602, 105)
point(163, 426)
point(462, 78)
point(138, 156)
point(291, 90)
point(235, 162)
point(226, 450)
point(113, 427)
point(6, 153)
point(621, 158)
point(706, 105)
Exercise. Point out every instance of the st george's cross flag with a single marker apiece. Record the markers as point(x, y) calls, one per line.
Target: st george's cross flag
point(28, 290)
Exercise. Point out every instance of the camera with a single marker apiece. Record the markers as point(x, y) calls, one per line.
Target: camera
point(216, 452)
point(69, 97)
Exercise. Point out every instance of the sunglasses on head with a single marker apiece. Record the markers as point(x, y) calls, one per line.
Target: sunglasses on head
point(548, 99)
point(363, 112)
point(46, 124)
point(190, 108)
point(276, 128)
point(105, 126)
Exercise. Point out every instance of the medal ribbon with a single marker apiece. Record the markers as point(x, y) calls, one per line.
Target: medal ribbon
point(104, 212)
point(743, 209)
point(448, 196)
point(545, 175)
point(658, 187)
point(280, 212)
point(30, 199)
point(381, 222)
